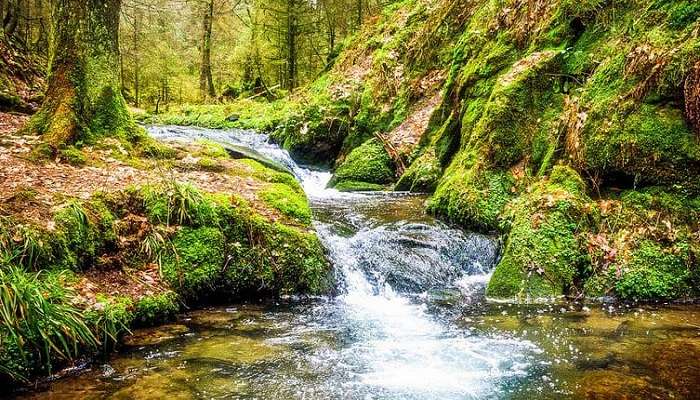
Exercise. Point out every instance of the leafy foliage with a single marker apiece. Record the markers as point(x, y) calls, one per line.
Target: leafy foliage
point(39, 317)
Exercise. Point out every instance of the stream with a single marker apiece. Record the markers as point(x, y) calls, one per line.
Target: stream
point(410, 321)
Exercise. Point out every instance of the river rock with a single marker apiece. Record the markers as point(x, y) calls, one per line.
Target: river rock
point(241, 152)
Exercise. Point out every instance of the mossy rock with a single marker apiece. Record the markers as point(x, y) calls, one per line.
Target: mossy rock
point(156, 309)
point(654, 272)
point(422, 176)
point(651, 145)
point(510, 117)
point(73, 156)
point(354, 186)
point(544, 254)
point(269, 258)
point(369, 164)
point(290, 201)
point(196, 262)
point(316, 136)
point(241, 152)
point(471, 195)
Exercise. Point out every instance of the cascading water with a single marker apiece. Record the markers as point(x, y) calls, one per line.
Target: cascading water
point(409, 322)
point(390, 260)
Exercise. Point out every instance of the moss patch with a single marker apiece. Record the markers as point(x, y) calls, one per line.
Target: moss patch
point(368, 163)
point(544, 254)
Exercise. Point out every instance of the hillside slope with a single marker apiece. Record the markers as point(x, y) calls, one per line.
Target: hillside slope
point(569, 126)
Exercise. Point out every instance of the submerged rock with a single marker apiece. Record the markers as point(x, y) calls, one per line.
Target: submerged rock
point(157, 335)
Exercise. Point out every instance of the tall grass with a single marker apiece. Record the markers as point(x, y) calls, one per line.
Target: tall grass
point(38, 318)
point(178, 203)
point(21, 245)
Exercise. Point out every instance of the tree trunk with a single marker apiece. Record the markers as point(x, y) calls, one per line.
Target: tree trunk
point(11, 18)
point(360, 17)
point(2, 16)
point(206, 82)
point(291, 46)
point(83, 100)
point(137, 65)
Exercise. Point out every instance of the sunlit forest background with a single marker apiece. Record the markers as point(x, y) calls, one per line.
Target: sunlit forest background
point(187, 51)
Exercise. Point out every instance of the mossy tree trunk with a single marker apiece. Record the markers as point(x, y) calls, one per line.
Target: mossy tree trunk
point(83, 100)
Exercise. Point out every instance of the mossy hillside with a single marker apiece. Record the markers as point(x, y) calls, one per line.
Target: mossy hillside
point(369, 164)
point(545, 253)
point(594, 85)
point(495, 135)
point(646, 247)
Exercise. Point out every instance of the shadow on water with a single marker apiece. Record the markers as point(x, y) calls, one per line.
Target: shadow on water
point(410, 322)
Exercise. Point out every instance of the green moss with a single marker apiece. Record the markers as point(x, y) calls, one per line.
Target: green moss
point(210, 164)
point(355, 186)
point(650, 247)
point(277, 259)
point(211, 149)
point(156, 309)
point(42, 152)
point(422, 176)
point(654, 273)
point(196, 261)
point(153, 149)
point(544, 254)
point(85, 230)
point(270, 175)
point(290, 201)
point(471, 196)
point(652, 144)
point(368, 163)
point(73, 156)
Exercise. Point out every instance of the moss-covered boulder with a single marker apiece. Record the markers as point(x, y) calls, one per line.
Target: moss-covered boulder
point(315, 136)
point(225, 248)
point(472, 195)
point(422, 176)
point(545, 254)
point(195, 264)
point(368, 167)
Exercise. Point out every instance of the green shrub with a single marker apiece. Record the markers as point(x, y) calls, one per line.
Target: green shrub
point(110, 317)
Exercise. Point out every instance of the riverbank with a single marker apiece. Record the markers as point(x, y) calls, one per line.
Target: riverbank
point(118, 234)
